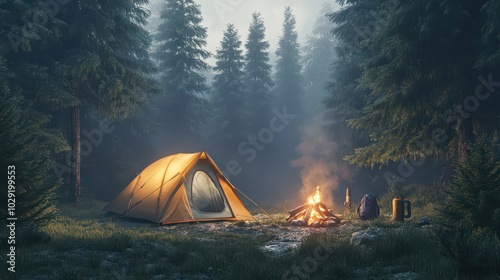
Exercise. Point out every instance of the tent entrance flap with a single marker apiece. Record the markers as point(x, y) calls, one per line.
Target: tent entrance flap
point(205, 195)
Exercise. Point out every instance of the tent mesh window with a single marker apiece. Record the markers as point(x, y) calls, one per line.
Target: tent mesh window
point(205, 195)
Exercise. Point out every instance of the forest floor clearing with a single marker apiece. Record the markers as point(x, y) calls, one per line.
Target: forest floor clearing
point(86, 243)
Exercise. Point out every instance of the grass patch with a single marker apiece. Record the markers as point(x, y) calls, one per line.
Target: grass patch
point(408, 249)
point(405, 241)
point(84, 243)
point(275, 220)
point(69, 233)
point(269, 207)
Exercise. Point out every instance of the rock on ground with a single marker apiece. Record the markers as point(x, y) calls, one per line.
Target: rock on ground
point(366, 237)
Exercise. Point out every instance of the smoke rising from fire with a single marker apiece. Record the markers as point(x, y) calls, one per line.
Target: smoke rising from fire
point(318, 163)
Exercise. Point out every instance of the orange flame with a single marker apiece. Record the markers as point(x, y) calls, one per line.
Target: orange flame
point(313, 199)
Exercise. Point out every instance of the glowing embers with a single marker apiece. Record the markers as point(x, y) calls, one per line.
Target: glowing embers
point(313, 213)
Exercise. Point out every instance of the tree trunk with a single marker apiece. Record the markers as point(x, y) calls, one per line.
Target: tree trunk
point(75, 187)
point(447, 172)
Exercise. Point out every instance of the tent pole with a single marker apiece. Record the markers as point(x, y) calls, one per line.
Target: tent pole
point(253, 202)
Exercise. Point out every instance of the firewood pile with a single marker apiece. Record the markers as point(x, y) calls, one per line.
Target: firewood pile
point(314, 214)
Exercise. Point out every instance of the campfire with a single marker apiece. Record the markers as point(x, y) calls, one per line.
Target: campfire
point(313, 213)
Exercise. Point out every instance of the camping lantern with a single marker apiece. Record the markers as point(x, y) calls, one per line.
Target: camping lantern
point(347, 203)
point(398, 209)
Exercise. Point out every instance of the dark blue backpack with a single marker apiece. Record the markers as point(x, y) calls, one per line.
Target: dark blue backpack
point(368, 209)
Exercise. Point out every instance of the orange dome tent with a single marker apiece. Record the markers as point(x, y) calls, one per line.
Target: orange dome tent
point(180, 188)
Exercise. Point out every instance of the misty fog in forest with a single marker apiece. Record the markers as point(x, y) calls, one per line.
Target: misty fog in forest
point(267, 88)
point(275, 152)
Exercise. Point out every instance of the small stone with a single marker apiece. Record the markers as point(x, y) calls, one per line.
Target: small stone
point(367, 236)
point(330, 223)
point(423, 221)
point(298, 223)
point(315, 224)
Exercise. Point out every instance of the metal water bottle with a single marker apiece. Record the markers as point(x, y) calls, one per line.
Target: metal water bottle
point(398, 209)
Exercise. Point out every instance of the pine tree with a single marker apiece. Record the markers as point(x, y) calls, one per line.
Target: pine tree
point(475, 193)
point(78, 54)
point(258, 80)
point(354, 27)
point(181, 39)
point(26, 150)
point(30, 34)
point(319, 54)
point(422, 90)
point(229, 100)
point(27, 32)
point(103, 58)
point(289, 83)
point(25, 27)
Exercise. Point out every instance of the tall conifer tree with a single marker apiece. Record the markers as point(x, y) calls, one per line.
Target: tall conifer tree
point(319, 54)
point(354, 26)
point(26, 150)
point(425, 93)
point(103, 58)
point(231, 108)
point(258, 80)
point(180, 52)
point(289, 83)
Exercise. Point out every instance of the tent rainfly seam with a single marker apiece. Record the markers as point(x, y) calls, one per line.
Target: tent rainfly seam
point(161, 186)
point(124, 213)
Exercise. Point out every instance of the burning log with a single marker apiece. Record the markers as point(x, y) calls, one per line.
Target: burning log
point(314, 214)
point(323, 214)
point(308, 213)
point(327, 212)
point(296, 211)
